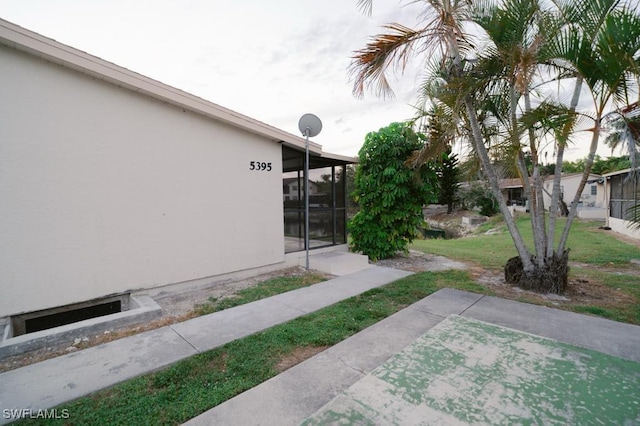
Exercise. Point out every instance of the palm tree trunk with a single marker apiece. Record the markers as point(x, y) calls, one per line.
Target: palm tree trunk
point(555, 192)
point(494, 185)
point(536, 207)
point(585, 176)
point(483, 154)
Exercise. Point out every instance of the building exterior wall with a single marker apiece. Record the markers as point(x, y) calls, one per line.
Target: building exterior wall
point(592, 213)
point(570, 184)
point(622, 227)
point(602, 199)
point(104, 190)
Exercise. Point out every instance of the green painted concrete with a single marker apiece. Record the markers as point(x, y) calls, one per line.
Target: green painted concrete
point(465, 371)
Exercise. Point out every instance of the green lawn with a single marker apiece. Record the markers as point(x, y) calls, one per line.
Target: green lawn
point(587, 244)
point(597, 249)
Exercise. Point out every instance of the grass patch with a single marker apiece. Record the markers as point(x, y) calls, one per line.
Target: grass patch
point(192, 386)
point(598, 311)
point(612, 295)
point(624, 293)
point(263, 290)
point(587, 243)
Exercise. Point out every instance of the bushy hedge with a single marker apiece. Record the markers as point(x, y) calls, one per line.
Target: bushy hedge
point(390, 194)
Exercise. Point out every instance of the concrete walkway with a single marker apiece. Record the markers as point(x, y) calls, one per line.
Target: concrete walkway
point(335, 386)
point(62, 379)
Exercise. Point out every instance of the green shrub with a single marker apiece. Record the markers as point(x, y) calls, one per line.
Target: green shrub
point(390, 193)
point(479, 195)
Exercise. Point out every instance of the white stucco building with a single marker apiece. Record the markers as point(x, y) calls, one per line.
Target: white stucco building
point(590, 205)
point(112, 182)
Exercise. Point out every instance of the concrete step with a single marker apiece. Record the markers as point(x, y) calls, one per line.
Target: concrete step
point(338, 263)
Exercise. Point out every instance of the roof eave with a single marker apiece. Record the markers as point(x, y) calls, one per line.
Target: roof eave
point(22, 39)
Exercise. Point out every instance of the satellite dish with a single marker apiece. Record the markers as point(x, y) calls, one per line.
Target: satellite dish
point(309, 125)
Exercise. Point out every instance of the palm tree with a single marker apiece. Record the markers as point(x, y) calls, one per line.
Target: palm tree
point(494, 87)
point(601, 42)
point(623, 127)
point(442, 33)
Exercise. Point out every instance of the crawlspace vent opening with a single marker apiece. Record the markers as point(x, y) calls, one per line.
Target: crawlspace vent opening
point(70, 314)
point(63, 318)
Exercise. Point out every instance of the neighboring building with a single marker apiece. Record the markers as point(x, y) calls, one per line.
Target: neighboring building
point(620, 191)
point(513, 191)
point(590, 205)
point(111, 182)
point(292, 190)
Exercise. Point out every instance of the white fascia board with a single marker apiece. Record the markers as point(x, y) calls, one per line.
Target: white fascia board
point(337, 157)
point(619, 172)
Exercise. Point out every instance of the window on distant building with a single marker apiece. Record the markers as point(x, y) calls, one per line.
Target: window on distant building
point(594, 190)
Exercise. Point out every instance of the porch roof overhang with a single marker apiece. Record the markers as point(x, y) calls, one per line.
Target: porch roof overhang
point(291, 158)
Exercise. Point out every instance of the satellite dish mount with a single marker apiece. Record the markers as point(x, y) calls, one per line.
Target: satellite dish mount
point(310, 126)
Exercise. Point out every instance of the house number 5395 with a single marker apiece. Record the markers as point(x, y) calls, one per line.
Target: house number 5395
point(259, 165)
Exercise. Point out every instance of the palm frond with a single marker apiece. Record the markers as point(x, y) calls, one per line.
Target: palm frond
point(369, 65)
point(623, 131)
point(365, 6)
point(441, 129)
point(633, 216)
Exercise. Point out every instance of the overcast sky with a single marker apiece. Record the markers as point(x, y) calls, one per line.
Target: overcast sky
point(271, 60)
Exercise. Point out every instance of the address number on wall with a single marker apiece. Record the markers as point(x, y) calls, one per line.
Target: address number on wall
point(259, 166)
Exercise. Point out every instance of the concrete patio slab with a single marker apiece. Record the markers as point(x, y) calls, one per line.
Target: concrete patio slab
point(371, 347)
point(464, 371)
point(606, 336)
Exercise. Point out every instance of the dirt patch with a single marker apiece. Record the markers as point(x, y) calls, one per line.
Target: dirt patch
point(451, 223)
point(581, 291)
point(417, 261)
point(297, 356)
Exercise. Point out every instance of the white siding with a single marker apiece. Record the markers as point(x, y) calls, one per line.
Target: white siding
point(624, 227)
point(570, 184)
point(103, 190)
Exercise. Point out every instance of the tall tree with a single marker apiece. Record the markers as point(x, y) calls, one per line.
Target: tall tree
point(449, 180)
point(500, 88)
